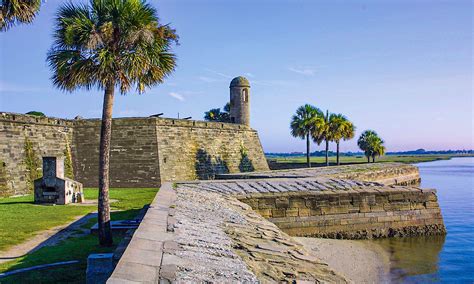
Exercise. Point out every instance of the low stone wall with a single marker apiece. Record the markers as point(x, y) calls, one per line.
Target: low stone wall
point(356, 214)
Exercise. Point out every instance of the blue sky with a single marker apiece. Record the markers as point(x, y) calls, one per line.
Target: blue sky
point(402, 68)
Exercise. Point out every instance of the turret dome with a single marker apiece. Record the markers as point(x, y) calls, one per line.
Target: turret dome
point(239, 82)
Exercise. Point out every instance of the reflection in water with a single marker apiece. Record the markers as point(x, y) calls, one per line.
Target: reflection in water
point(413, 256)
point(445, 259)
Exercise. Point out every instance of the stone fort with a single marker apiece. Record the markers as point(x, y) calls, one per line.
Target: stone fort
point(145, 151)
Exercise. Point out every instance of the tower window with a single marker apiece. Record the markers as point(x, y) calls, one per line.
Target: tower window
point(245, 95)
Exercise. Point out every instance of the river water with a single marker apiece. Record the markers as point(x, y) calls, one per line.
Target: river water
point(445, 259)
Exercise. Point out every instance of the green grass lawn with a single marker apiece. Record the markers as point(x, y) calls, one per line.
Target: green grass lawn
point(409, 159)
point(35, 218)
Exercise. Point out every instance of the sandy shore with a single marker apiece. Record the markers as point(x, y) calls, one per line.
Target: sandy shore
point(358, 261)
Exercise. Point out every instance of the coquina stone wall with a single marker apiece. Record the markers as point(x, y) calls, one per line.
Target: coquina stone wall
point(144, 153)
point(200, 150)
point(352, 214)
point(24, 140)
point(133, 153)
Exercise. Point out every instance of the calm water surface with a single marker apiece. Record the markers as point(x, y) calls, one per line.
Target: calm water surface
point(435, 259)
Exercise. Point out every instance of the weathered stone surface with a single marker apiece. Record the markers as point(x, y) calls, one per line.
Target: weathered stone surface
point(383, 173)
point(326, 207)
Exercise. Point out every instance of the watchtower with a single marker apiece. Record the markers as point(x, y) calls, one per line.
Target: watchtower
point(240, 101)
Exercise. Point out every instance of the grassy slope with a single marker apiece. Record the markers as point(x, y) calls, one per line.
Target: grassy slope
point(361, 159)
point(75, 248)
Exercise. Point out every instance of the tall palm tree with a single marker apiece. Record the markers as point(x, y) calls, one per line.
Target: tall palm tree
point(109, 44)
point(13, 12)
point(371, 144)
point(304, 123)
point(340, 128)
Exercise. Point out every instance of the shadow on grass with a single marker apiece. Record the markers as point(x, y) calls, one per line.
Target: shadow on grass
point(19, 202)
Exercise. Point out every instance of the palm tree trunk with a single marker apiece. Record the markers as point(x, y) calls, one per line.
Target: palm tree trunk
point(327, 153)
point(105, 232)
point(337, 152)
point(308, 162)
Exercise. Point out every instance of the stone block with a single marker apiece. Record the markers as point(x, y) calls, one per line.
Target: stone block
point(99, 267)
point(304, 212)
point(292, 212)
point(280, 212)
point(282, 202)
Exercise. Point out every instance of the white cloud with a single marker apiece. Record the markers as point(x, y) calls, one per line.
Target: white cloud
point(273, 83)
point(250, 75)
point(303, 71)
point(207, 79)
point(219, 73)
point(177, 96)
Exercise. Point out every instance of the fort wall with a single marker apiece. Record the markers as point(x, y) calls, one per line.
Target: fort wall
point(24, 140)
point(144, 151)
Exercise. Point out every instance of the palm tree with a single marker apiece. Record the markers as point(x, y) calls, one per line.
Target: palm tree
point(378, 149)
point(304, 123)
point(340, 128)
point(216, 114)
point(109, 44)
point(13, 12)
point(371, 144)
point(322, 133)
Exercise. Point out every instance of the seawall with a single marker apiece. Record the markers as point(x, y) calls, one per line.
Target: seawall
point(359, 213)
point(145, 152)
point(241, 230)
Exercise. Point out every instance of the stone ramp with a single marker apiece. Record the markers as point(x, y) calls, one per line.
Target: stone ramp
point(385, 173)
point(277, 185)
point(198, 235)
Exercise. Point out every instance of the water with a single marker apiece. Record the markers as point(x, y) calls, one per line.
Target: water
point(434, 259)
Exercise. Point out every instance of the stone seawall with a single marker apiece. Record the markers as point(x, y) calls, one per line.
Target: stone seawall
point(355, 214)
point(240, 230)
point(336, 208)
point(144, 153)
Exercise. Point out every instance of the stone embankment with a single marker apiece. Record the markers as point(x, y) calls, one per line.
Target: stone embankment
point(240, 230)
